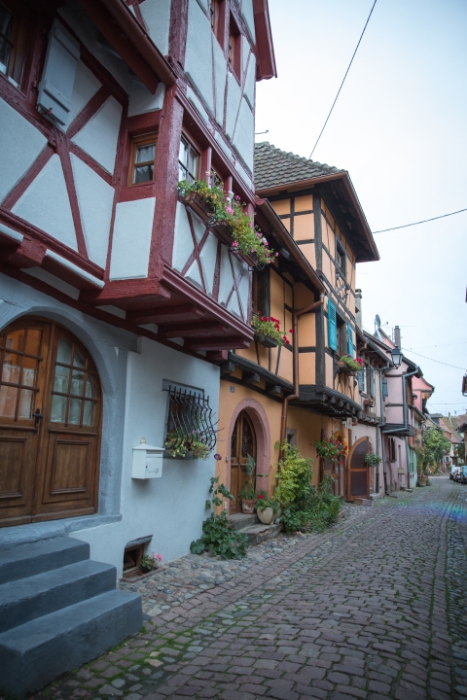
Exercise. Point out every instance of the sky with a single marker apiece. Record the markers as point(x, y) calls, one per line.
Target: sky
point(399, 128)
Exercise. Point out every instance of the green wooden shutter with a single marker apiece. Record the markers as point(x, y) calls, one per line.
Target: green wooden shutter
point(349, 340)
point(332, 326)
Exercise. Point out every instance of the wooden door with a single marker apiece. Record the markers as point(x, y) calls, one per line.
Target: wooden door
point(243, 444)
point(336, 471)
point(358, 471)
point(49, 424)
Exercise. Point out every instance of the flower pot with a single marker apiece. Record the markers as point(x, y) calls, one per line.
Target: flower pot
point(248, 506)
point(266, 341)
point(146, 569)
point(223, 231)
point(343, 368)
point(198, 205)
point(266, 515)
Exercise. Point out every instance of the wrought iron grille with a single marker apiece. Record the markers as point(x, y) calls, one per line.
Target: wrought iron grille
point(190, 429)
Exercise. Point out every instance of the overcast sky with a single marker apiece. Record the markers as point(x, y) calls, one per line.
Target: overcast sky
point(399, 129)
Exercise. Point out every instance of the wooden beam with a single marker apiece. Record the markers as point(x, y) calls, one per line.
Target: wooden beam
point(192, 330)
point(143, 291)
point(166, 314)
point(274, 390)
point(219, 344)
point(251, 377)
point(227, 367)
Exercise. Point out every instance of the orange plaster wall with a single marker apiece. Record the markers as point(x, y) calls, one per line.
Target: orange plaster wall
point(282, 206)
point(308, 431)
point(307, 330)
point(309, 251)
point(304, 203)
point(286, 365)
point(307, 365)
point(228, 403)
point(303, 227)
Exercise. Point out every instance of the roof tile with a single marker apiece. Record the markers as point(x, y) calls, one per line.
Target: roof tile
point(274, 167)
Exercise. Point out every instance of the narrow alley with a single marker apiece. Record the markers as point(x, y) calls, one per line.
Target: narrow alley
point(375, 608)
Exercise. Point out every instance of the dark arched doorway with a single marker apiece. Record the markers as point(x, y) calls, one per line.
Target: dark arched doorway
point(50, 418)
point(358, 471)
point(243, 443)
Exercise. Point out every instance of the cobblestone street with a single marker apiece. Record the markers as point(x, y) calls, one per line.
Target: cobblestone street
point(374, 608)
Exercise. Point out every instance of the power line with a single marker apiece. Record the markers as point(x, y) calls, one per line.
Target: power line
point(416, 223)
point(432, 360)
point(343, 81)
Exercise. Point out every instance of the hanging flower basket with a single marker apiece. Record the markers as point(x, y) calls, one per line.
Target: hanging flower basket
point(331, 449)
point(267, 329)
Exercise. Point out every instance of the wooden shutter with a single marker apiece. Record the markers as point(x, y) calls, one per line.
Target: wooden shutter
point(372, 383)
point(385, 388)
point(56, 86)
point(349, 340)
point(332, 326)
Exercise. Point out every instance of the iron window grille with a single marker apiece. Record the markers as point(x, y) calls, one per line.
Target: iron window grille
point(190, 428)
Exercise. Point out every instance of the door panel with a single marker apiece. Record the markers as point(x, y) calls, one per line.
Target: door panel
point(243, 444)
point(358, 470)
point(48, 462)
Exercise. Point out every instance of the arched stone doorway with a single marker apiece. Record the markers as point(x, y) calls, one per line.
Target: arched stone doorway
point(258, 421)
point(50, 424)
point(358, 471)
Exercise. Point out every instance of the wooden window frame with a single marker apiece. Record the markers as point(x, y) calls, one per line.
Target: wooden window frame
point(199, 151)
point(217, 17)
point(14, 70)
point(340, 258)
point(136, 142)
point(235, 49)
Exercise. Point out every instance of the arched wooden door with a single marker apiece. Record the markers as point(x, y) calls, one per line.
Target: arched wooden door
point(358, 471)
point(50, 415)
point(336, 471)
point(243, 444)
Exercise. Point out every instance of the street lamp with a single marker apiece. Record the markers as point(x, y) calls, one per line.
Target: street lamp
point(396, 357)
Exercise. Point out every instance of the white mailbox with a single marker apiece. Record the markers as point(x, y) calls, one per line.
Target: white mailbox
point(147, 461)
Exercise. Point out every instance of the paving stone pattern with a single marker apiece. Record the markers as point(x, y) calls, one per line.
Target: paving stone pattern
point(374, 608)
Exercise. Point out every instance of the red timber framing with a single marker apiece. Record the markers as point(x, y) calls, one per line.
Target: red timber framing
point(165, 298)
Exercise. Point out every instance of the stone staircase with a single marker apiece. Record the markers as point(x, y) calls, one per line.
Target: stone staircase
point(250, 526)
point(58, 610)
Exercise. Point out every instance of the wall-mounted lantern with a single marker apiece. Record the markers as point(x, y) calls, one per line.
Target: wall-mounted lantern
point(396, 356)
point(147, 461)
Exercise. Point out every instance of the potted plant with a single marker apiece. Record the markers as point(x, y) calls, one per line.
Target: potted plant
point(372, 460)
point(149, 562)
point(331, 449)
point(268, 331)
point(267, 509)
point(247, 493)
point(179, 447)
point(349, 365)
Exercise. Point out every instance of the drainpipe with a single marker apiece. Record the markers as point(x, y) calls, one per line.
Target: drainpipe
point(406, 414)
point(383, 420)
point(296, 381)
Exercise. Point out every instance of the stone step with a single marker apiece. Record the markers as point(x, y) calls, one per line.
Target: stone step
point(30, 559)
point(32, 597)
point(363, 502)
point(241, 520)
point(37, 652)
point(260, 533)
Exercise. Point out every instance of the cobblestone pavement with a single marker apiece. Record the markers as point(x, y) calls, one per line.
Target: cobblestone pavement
point(374, 608)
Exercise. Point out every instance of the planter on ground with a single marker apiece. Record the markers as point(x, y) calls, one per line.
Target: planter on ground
point(248, 506)
point(266, 515)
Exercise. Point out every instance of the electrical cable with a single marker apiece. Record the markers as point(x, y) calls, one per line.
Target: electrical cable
point(343, 80)
point(432, 360)
point(416, 223)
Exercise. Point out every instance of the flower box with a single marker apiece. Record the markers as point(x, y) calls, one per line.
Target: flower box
point(368, 402)
point(266, 341)
point(343, 368)
point(196, 202)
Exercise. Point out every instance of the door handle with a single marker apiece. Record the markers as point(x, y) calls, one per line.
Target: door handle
point(37, 417)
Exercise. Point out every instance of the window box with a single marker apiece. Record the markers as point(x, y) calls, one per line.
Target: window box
point(199, 205)
point(266, 341)
point(190, 432)
point(343, 368)
point(368, 402)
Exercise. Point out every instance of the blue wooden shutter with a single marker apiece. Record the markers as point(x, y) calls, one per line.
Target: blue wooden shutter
point(349, 340)
point(385, 388)
point(361, 380)
point(372, 383)
point(56, 86)
point(332, 326)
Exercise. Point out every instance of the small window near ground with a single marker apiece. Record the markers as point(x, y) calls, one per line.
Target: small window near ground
point(143, 156)
point(188, 161)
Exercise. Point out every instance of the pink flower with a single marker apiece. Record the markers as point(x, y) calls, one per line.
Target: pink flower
point(159, 557)
point(237, 197)
point(229, 210)
point(235, 244)
point(217, 456)
point(259, 234)
point(277, 255)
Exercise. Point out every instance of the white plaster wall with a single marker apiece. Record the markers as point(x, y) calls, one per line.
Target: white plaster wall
point(245, 134)
point(197, 104)
point(99, 136)
point(220, 75)
point(198, 57)
point(132, 239)
point(20, 144)
point(234, 95)
point(170, 509)
point(249, 17)
point(156, 14)
point(183, 240)
point(95, 199)
point(45, 204)
point(85, 86)
point(142, 101)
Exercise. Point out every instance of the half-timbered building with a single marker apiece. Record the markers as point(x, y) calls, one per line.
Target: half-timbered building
point(117, 299)
point(300, 391)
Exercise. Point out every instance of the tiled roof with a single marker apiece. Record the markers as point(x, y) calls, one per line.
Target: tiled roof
point(274, 167)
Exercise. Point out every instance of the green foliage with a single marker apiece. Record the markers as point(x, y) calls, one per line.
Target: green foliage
point(354, 365)
point(460, 452)
point(219, 537)
point(213, 196)
point(177, 446)
point(372, 459)
point(294, 476)
point(263, 501)
point(435, 446)
point(248, 491)
point(268, 327)
point(331, 449)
